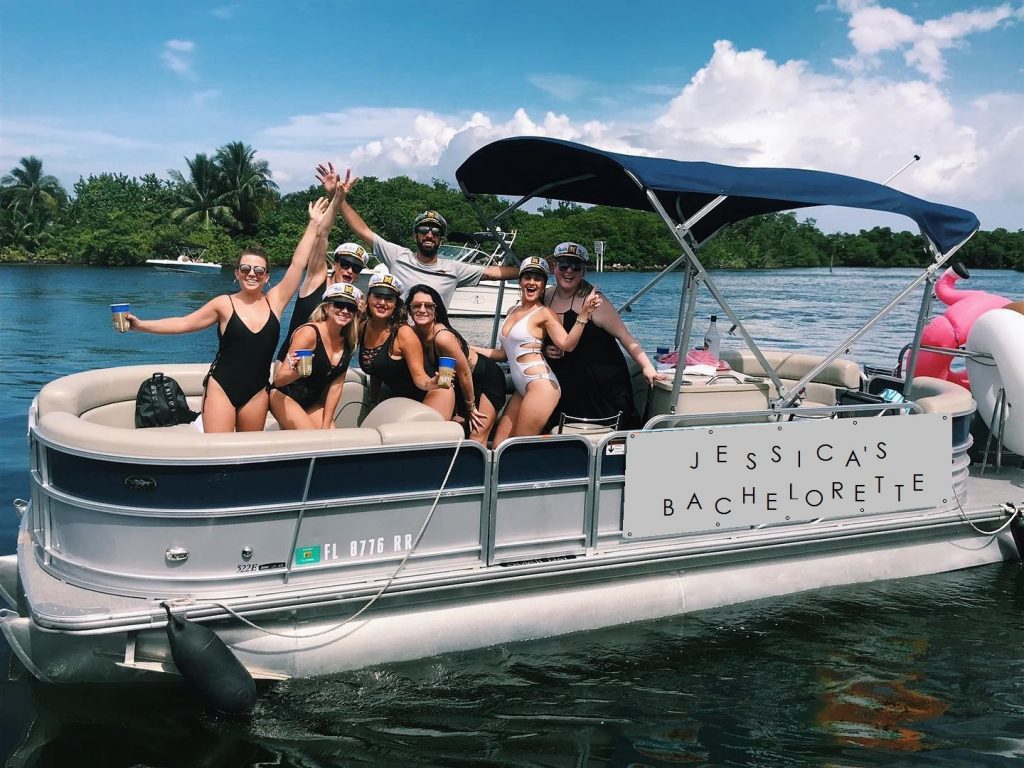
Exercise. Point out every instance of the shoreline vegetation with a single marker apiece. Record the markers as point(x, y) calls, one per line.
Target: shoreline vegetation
point(227, 200)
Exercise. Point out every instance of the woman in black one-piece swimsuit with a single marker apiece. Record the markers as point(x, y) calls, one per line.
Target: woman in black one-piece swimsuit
point(389, 351)
point(248, 325)
point(310, 402)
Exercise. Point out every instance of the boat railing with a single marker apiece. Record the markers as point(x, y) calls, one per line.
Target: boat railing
point(320, 506)
point(982, 357)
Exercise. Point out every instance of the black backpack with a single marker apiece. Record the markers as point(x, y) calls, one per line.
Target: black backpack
point(161, 403)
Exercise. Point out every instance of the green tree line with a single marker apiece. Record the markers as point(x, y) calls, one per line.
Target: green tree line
point(226, 200)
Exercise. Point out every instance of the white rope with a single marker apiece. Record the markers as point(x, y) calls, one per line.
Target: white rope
point(380, 592)
point(1007, 507)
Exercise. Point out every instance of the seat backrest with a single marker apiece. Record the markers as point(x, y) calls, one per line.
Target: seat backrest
point(793, 366)
point(400, 410)
point(355, 399)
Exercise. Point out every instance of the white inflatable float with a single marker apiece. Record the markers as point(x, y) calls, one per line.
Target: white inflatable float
point(1000, 333)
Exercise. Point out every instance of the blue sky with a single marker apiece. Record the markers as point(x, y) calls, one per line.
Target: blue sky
point(389, 88)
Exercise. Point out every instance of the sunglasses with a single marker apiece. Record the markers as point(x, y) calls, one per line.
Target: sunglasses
point(424, 229)
point(390, 298)
point(418, 305)
point(570, 266)
point(245, 269)
point(345, 306)
point(350, 266)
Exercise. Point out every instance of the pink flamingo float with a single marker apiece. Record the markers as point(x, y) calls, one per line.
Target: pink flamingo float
point(950, 329)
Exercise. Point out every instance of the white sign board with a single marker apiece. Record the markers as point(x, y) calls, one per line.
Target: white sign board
point(681, 481)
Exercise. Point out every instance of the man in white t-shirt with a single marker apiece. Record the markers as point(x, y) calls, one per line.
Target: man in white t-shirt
point(423, 266)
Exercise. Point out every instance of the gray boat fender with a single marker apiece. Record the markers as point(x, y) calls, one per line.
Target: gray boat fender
point(209, 666)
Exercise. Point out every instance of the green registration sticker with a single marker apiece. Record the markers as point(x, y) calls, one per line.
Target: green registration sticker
point(307, 555)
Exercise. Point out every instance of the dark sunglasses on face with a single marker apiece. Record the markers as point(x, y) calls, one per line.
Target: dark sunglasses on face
point(345, 306)
point(570, 266)
point(245, 269)
point(424, 229)
point(347, 265)
point(418, 305)
point(390, 298)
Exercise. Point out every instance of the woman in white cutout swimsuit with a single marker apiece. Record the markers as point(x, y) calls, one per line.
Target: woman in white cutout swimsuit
point(521, 336)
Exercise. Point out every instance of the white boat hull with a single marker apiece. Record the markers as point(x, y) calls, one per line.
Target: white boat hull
point(297, 531)
point(173, 265)
point(481, 300)
point(417, 622)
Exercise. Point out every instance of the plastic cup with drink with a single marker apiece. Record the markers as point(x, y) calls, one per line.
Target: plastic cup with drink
point(119, 315)
point(304, 361)
point(445, 372)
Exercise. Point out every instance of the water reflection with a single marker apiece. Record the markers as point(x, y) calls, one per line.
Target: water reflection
point(875, 712)
point(806, 680)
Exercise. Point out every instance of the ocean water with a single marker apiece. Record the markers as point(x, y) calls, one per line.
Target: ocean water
point(928, 671)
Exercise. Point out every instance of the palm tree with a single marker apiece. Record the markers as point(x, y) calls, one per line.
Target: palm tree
point(31, 197)
point(200, 198)
point(246, 182)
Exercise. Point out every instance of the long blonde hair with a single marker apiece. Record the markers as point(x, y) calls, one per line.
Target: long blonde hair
point(349, 334)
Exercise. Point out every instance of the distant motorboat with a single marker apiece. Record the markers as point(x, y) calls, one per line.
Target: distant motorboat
point(190, 259)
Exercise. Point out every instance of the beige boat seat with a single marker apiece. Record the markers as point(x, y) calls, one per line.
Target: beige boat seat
point(107, 397)
point(95, 411)
point(790, 367)
point(403, 420)
point(941, 396)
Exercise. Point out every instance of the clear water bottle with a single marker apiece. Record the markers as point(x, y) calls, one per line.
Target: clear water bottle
point(713, 338)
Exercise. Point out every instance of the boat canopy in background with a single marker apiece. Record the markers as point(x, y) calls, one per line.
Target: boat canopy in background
point(567, 171)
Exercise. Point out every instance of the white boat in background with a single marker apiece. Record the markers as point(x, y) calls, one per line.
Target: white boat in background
point(299, 553)
point(190, 259)
point(484, 249)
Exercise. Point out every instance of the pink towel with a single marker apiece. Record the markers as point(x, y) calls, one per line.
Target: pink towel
point(703, 357)
point(669, 358)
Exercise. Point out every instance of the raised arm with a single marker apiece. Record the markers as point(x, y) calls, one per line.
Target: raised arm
point(607, 318)
point(208, 314)
point(316, 267)
point(333, 184)
point(282, 293)
point(568, 341)
point(501, 272)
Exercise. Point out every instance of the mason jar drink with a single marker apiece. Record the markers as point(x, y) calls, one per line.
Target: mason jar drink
point(445, 372)
point(119, 315)
point(304, 364)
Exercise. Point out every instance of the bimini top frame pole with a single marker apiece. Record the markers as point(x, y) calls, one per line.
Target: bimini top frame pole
point(696, 200)
point(679, 231)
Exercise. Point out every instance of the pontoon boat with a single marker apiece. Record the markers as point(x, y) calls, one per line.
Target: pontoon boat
point(392, 538)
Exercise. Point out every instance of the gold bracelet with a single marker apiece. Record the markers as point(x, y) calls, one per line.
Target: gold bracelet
point(581, 321)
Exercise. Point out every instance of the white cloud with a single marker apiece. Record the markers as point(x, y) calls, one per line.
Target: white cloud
point(741, 108)
point(177, 56)
point(562, 87)
point(224, 11)
point(199, 98)
point(875, 30)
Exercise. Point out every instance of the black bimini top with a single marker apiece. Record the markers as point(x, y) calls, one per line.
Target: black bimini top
point(577, 173)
